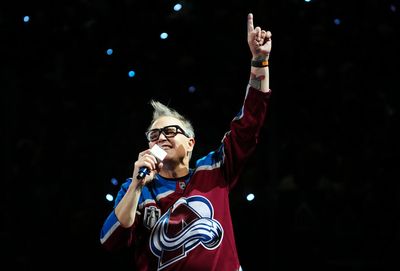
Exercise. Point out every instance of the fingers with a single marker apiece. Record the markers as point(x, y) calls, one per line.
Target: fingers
point(146, 159)
point(263, 34)
point(149, 161)
point(253, 33)
point(250, 26)
point(257, 32)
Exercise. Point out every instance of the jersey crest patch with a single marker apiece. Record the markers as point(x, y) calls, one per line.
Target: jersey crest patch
point(151, 215)
point(187, 224)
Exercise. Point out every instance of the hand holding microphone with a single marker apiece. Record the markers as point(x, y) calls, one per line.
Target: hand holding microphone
point(159, 154)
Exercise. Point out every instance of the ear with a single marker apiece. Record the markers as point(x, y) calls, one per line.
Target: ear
point(191, 143)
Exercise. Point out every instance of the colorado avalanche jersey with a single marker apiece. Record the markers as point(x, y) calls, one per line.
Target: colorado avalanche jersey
point(185, 224)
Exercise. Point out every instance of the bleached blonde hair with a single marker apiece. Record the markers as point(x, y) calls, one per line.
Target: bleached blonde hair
point(161, 110)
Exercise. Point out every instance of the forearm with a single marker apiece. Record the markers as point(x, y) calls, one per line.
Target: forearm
point(127, 207)
point(259, 78)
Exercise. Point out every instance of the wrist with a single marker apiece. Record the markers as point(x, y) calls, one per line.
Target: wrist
point(259, 63)
point(136, 185)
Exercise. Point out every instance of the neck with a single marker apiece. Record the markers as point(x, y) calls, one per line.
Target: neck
point(174, 172)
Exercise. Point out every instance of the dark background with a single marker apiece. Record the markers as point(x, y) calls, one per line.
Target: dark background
point(325, 171)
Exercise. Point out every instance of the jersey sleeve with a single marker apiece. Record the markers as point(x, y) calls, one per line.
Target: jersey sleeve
point(112, 235)
point(240, 141)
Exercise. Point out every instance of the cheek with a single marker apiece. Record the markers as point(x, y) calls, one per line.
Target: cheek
point(181, 150)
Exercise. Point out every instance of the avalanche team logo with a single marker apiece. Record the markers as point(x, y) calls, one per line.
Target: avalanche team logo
point(187, 224)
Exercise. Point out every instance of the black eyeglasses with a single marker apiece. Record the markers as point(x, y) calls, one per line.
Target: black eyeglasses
point(168, 131)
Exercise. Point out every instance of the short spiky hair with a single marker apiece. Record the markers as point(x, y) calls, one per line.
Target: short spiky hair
point(161, 110)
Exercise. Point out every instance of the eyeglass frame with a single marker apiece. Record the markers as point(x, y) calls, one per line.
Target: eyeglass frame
point(179, 130)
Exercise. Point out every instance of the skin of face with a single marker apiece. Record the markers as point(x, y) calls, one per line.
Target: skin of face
point(177, 147)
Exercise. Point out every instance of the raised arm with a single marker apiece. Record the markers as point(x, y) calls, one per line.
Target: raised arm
point(259, 42)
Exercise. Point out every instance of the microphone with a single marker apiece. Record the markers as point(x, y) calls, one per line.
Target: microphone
point(159, 154)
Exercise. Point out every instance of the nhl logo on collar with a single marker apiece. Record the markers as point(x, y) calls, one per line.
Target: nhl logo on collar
point(151, 216)
point(182, 185)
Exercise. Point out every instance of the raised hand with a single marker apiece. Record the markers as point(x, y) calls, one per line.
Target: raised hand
point(258, 39)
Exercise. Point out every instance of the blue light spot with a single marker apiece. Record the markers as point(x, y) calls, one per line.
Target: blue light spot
point(337, 21)
point(26, 19)
point(109, 197)
point(114, 181)
point(192, 89)
point(163, 36)
point(177, 7)
point(250, 197)
point(131, 73)
point(109, 52)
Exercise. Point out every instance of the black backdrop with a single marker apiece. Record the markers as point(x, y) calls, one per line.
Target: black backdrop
point(324, 174)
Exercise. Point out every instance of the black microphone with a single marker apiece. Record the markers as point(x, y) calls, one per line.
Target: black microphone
point(159, 154)
point(143, 171)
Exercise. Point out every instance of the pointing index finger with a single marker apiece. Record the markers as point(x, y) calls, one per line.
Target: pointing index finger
point(250, 26)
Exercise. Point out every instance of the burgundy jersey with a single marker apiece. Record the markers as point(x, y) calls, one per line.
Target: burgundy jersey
point(185, 223)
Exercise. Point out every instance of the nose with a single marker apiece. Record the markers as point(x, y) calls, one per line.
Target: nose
point(162, 137)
